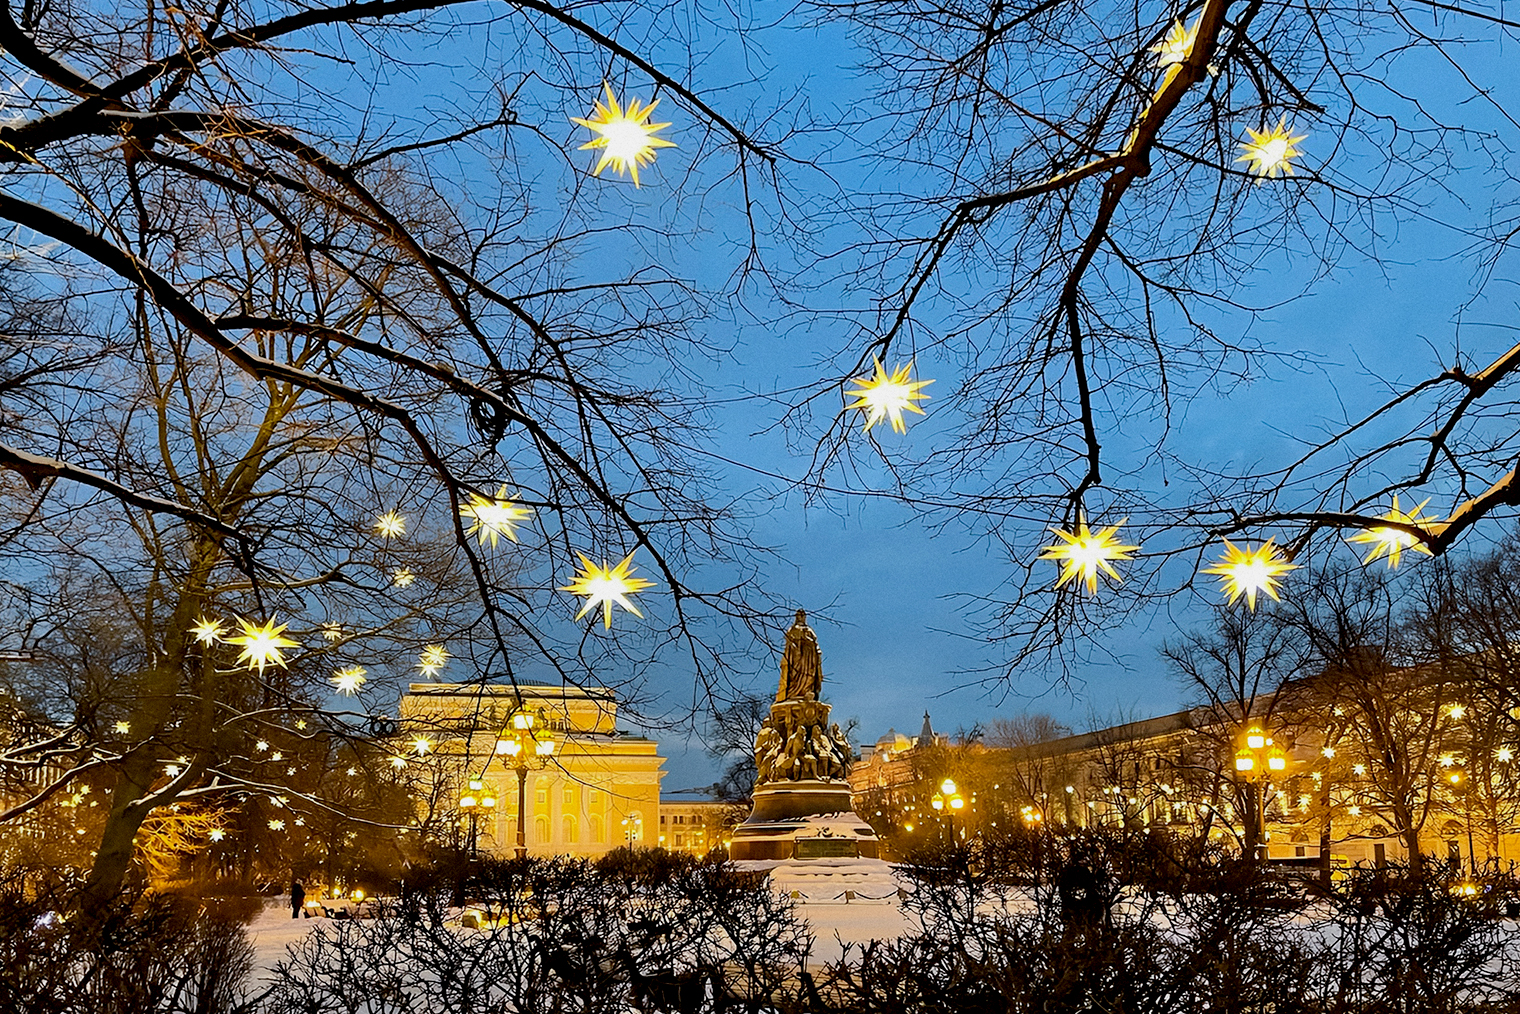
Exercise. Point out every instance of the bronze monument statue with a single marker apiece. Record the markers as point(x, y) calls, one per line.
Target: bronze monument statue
point(801, 664)
point(802, 763)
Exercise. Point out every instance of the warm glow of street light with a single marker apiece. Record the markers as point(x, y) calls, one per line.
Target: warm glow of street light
point(1084, 554)
point(887, 396)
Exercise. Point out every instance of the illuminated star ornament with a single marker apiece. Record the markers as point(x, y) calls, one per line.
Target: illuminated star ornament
point(402, 577)
point(626, 137)
point(390, 525)
point(1269, 153)
point(207, 632)
point(1175, 48)
point(494, 517)
point(433, 658)
point(1083, 554)
point(349, 680)
point(603, 586)
point(262, 645)
point(1393, 541)
point(887, 395)
point(1249, 571)
point(422, 745)
point(332, 632)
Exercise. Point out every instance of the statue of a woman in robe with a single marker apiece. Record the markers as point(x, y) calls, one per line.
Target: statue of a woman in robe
point(801, 664)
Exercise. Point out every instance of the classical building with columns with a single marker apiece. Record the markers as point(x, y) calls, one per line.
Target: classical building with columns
point(594, 789)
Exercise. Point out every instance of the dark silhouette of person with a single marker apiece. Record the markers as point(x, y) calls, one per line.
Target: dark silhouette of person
point(297, 899)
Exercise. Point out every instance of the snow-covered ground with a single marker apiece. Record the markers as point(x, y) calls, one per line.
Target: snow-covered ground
point(874, 914)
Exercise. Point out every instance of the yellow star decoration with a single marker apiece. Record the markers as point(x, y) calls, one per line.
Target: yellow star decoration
point(398, 762)
point(207, 632)
point(1268, 153)
point(1248, 571)
point(349, 680)
point(276, 825)
point(401, 577)
point(1084, 553)
point(887, 395)
point(123, 727)
point(433, 658)
point(626, 137)
point(332, 632)
point(603, 586)
point(422, 745)
point(1177, 45)
point(1393, 541)
point(217, 834)
point(262, 645)
point(494, 517)
point(390, 525)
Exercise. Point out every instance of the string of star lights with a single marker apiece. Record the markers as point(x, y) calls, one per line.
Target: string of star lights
point(625, 137)
point(492, 517)
point(1270, 152)
point(432, 660)
point(262, 645)
point(1084, 554)
point(390, 525)
point(348, 680)
point(604, 586)
point(1250, 571)
point(1392, 542)
point(207, 632)
point(887, 396)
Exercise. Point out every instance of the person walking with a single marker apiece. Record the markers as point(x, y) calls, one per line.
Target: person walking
point(297, 898)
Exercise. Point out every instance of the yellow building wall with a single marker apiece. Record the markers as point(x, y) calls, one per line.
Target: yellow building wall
point(597, 791)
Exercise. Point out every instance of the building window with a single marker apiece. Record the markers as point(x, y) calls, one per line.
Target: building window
point(680, 840)
point(568, 829)
point(541, 829)
point(569, 799)
point(541, 796)
point(598, 836)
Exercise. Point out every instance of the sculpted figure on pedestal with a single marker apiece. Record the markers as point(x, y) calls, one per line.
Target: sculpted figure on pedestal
point(801, 664)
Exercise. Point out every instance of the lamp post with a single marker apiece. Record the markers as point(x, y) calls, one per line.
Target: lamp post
point(633, 830)
point(523, 743)
point(947, 801)
point(473, 802)
point(1255, 762)
point(1459, 782)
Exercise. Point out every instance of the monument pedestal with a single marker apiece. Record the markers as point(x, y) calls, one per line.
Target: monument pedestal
point(803, 820)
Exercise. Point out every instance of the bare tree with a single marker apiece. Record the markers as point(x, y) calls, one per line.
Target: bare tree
point(285, 297)
point(1075, 209)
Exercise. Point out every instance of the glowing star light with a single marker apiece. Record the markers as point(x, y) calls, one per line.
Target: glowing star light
point(432, 659)
point(626, 137)
point(217, 834)
point(604, 586)
point(1083, 554)
point(390, 525)
point(1393, 541)
point(1268, 153)
point(887, 395)
point(1174, 49)
point(262, 645)
point(348, 680)
point(1249, 571)
point(332, 632)
point(422, 745)
point(207, 632)
point(492, 518)
point(402, 577)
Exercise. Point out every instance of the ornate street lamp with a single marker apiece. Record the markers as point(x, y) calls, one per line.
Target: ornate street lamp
point(472, 803)
point(948, 801)
point(524, 743)
point(1256, 761)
